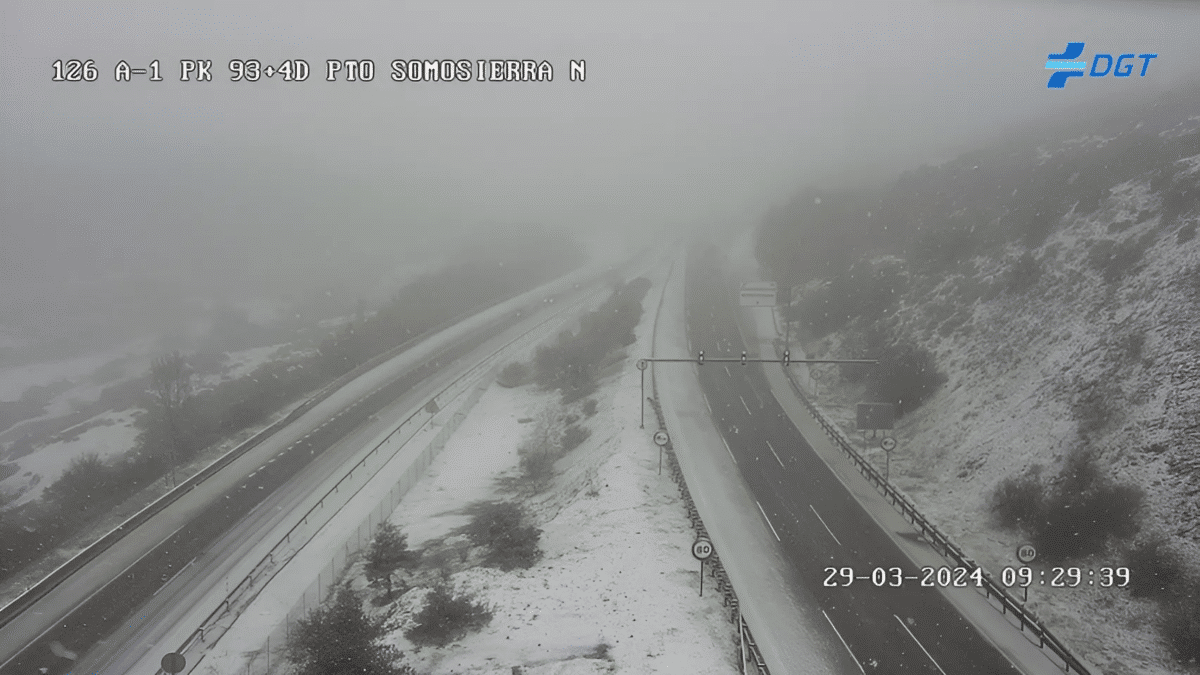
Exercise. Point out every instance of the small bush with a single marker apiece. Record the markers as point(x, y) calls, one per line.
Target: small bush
point(538, 467)
point(1073, 514)
point(600, 652)
point(498, 527)
point(447, 617)
point(571, 362)
point(574, 436)
point(1080, 525)
point(514, 374)
point(86, 487)
point(1017, 501)
point(1154, 568)
point(589, 407)
point(905, 376)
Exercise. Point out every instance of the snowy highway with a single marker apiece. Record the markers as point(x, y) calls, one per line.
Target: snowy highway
point(177, 564)
point(813, 525)
point(899, 625)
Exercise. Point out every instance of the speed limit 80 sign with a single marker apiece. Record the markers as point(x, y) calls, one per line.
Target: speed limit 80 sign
point(702, 549)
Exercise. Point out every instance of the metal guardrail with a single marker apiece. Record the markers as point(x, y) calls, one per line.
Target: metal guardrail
point(39, 590)
point(747, 648)
point(270, 564)
point(938, 540)
point(266, 567)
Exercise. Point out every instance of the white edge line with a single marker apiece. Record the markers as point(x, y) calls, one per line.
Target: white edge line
point(760, 510)
point(914, 637)
point(851, 652)
point(728, 450)
point(174, 576)
point(810, 506)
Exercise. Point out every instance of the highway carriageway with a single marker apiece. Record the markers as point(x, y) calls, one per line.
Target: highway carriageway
point(106, 593)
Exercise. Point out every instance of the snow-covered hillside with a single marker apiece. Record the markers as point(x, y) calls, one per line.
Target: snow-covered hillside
point(1087, 339)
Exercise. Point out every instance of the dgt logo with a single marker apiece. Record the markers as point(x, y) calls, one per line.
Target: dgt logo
point(1067, 68)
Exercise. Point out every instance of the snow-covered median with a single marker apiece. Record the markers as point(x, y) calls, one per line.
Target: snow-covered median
point(616, 588)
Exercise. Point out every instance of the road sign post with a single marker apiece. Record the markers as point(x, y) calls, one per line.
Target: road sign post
point(641, 365)
point(702, 549)
point(661, 439)
point(888, 444)
point(1026, 554)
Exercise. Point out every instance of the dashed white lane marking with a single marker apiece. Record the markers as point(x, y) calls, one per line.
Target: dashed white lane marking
point(774, 453)
point(914, 637)
point(823, 523)
point(839, 634)
point(764, 514)
point(744, 405)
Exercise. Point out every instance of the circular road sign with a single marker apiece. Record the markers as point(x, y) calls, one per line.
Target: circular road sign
point(641, 364)
point(661, 438)
point(702, 549)
point(1026, 553)
point(173, 662)
point(888, 444)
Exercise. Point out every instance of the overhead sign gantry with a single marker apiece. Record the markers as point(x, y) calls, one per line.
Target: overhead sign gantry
point(700, 359)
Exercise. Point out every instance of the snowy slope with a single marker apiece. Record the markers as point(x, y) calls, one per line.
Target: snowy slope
point(1018, 364)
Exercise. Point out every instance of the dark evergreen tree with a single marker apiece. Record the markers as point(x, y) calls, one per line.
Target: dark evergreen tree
point(389, 551)
point(341, 638)
point(446, 617)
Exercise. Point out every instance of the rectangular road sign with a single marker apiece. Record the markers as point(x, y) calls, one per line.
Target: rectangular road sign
point(758, 294)
point(873, 416)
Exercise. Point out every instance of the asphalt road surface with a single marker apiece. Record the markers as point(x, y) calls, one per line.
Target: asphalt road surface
point(899, 626)
point(119, 606)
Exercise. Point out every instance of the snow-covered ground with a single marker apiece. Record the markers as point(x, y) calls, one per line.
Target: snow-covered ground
point(616, 568)
point(108, 435)
point(1017, 364)
point(616, 589)
point(244, 362)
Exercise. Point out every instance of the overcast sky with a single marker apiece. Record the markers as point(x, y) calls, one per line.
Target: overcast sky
point(691, 113)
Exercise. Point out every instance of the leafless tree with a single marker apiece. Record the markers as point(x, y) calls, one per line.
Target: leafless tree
point(171, 387)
